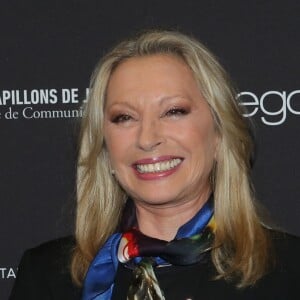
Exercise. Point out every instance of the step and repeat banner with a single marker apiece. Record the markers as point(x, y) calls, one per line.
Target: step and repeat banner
point(48, 51)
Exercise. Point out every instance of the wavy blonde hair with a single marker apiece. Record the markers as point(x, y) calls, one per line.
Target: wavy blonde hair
point(241, 244)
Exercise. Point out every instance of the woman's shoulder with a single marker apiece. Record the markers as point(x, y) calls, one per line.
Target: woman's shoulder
point(63, 245)
point(51, 254)
point(283, 239)
point(54, 256)
point(45, 268)
point(287, 249)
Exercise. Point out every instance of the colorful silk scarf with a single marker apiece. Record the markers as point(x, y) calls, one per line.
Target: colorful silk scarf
point(142, 253)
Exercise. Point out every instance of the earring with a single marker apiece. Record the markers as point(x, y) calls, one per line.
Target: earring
point(113, 172)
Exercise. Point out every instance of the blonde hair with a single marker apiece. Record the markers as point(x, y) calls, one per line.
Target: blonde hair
point(241, 244)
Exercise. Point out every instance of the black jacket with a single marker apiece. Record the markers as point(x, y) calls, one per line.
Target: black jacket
point(44, 274)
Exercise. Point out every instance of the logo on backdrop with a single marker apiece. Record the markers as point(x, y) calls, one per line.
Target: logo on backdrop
point(42, 103)
point(8, 273)
point(272, 107)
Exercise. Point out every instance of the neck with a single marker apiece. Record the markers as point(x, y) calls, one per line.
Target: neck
point(163, 222)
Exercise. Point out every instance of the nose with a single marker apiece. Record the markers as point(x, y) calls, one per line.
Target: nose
point(150, 135)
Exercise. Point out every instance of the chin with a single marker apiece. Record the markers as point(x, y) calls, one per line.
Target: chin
point(157, 201)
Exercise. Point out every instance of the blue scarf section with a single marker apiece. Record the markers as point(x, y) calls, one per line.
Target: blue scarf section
point(99, 281)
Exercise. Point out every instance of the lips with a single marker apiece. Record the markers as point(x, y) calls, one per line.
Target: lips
point(157, 165)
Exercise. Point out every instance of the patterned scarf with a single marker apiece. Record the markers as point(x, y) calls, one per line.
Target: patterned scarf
point(142, 253)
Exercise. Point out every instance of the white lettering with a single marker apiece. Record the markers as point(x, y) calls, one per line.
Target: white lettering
point(5, 96)
point(11, 273)
point(29, 113)
point(266, 106)
point(8, 273)
point(69, 95)
point(24, 97)
point(274, 113)
point(255, 102)
point(288, 102)
point(3, 272)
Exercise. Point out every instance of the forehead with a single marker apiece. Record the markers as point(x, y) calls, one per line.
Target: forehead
point(160, 71)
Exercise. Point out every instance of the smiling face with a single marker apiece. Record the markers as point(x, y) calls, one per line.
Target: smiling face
point(159, 131)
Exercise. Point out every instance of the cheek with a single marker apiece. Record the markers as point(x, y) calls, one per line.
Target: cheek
point(112, 143)
point(117, 144)
point(202, 146)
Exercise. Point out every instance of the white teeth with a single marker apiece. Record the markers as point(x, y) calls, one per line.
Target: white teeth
point(159, 166)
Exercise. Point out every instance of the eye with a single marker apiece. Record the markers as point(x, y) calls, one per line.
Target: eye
point(121, 118)
point(176, 111)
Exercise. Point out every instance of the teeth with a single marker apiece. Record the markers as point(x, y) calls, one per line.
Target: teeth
point(159, 166)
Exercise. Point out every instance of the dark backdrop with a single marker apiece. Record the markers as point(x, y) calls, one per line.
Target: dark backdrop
point(48, 51)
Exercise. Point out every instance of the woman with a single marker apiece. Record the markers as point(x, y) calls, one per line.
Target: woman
point(166, 208)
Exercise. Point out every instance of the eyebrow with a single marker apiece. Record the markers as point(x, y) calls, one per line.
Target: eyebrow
point(160, 101)
point(166, 98)
point(123, 103)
